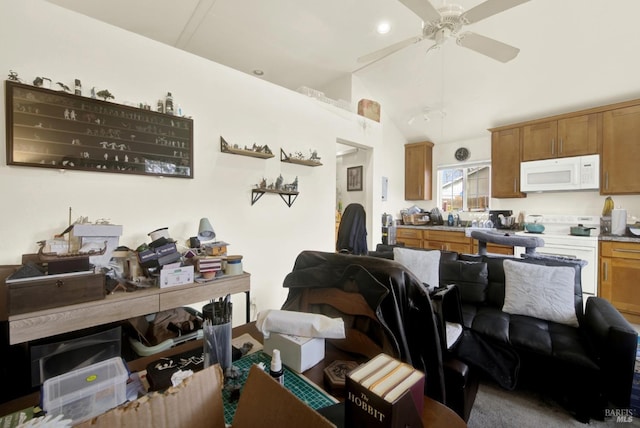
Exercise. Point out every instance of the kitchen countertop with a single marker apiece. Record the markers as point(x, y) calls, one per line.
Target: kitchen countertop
point(612, 238)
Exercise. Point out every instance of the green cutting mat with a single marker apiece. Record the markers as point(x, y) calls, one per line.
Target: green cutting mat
point(301, 387)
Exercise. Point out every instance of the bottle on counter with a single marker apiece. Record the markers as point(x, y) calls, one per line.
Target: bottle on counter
point(276, 371)
point(450, 219)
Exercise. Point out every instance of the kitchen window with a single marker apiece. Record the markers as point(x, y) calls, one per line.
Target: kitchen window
point(464, 187)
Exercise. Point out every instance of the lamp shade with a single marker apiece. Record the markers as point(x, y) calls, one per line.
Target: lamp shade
point(205, 230)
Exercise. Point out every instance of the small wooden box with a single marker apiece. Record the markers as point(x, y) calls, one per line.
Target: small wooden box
point(51, 291)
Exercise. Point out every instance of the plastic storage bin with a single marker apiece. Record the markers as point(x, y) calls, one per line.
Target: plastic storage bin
point(87, 392)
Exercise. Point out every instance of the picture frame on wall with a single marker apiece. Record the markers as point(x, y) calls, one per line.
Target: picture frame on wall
point(354, 178)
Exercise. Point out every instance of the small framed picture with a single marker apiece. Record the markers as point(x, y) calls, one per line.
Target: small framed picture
point(354, 178)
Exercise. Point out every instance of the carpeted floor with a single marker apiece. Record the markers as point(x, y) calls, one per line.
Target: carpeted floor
point(498, 408)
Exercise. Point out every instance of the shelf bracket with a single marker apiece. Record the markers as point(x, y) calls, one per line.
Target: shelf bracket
point(255, 195)
point(288, 199)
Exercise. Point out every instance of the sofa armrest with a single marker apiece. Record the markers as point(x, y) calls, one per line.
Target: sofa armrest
point(614, 342)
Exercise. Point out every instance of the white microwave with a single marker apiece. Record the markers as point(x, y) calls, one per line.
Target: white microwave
point(559, 174)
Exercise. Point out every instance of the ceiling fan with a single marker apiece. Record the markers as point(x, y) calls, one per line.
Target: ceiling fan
point(446, 21)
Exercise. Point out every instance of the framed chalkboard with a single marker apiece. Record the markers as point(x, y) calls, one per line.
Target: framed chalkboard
point(56, 129)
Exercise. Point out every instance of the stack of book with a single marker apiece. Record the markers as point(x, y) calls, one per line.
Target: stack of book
point(384, 392)
point(206, 264)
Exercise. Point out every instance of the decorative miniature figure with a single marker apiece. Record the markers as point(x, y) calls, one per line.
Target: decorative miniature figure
point(38, 81)
point(105, 94)
point(279, 181)
point(13, 76)
point(314, 155)
point(64, 87)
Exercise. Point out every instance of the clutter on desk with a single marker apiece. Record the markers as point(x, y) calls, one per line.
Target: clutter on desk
point(300, 324)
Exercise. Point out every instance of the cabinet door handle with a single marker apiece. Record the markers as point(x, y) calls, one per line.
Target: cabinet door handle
point(515, 185)
point(605, 272)
point(553, 146)
point(560, 149)
point(625, 250)
point(606, 180)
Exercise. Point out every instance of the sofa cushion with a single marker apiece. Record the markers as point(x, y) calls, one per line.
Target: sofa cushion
point(539, 291)
point(425, 265)
point(470, 277)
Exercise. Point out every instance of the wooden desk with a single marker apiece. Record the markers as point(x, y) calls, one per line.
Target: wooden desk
point(121, 306)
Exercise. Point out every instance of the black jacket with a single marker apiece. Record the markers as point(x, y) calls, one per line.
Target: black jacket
point(352, 232)
point(399, 300)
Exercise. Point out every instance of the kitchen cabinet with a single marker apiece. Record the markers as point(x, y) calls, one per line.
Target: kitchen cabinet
point(505, 163)
point(446, 241)
point(619, 272)
point(620, 155)
point(494, 248)
point(410, 237)
point(418, 171)
point(571, 136)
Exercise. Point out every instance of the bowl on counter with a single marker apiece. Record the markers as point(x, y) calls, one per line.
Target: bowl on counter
point(635, 230)
point(534, 227)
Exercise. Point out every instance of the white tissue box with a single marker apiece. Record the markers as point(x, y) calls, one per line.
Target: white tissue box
point(299, 353)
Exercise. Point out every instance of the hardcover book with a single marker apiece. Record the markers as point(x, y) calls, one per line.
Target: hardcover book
point(384, 392)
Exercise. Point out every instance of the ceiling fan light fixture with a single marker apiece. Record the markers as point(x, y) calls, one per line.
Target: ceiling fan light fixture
point(383, 27)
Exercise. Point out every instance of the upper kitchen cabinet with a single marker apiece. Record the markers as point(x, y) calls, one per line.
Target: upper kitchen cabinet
point(620, 158)
point(505, 163)
point(570, 136)
point(418, 171)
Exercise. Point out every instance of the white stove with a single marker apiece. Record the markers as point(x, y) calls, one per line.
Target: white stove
point(558, 241)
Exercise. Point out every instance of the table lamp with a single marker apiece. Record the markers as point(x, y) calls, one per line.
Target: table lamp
point(205, 230)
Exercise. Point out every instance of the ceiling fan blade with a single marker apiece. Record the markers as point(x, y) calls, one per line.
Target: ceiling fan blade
point(489, 8)
point(423, 8)
point(384, 52)
point(487, 46)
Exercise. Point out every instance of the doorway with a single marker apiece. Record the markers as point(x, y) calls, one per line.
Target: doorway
point(353, 162)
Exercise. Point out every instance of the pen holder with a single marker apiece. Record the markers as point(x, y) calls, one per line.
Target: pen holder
point(217, 344)
point(217, 334)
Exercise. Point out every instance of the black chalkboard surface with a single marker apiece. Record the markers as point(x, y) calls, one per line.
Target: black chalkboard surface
point(56, 129)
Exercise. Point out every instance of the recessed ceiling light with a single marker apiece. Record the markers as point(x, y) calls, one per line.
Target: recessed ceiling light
point(383, 27)
point(258, 72)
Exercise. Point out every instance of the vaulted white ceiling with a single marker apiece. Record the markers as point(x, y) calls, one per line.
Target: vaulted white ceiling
point(573, 54)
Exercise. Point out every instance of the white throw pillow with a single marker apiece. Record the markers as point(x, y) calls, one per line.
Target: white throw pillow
point(544, 292)
point(425, 265)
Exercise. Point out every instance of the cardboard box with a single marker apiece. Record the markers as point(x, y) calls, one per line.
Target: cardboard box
point(95, 235)
point(297, 352)
point(369, 109)
point(170, 277)
point(197, 402)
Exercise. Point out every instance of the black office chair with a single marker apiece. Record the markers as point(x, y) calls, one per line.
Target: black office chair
point(352, 232)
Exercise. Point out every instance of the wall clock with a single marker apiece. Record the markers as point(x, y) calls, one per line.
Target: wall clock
point(462, 154)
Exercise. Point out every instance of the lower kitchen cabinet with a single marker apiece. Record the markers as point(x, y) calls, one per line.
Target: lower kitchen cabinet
point(619, 273)
point(446, 241)
point(410, 237)
point(494, 249)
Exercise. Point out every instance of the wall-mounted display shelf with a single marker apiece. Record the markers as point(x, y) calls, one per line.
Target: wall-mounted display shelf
point(289, 197)
point(56, 129)
point(298, 159)
point(256, 151)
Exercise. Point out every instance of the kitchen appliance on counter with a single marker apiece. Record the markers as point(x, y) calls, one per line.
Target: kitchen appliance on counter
point(565, 236)
point(388, 230)
point(498, 217)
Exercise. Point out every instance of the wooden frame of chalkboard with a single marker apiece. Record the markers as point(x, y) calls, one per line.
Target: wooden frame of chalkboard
point(56, 129)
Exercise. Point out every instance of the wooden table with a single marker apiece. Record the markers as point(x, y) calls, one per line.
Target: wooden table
point(121, 306)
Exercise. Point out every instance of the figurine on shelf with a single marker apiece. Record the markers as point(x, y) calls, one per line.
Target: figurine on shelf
point(105, 94)
point(279, 181)
point(13, 76)
point(314, 155)
point(291, 187)
point(64, 87)
point(263, 184)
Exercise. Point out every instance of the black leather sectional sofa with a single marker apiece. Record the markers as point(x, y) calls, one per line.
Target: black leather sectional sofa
point(587, 366)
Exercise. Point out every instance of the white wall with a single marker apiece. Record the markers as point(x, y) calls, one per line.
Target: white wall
point(41, 39)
